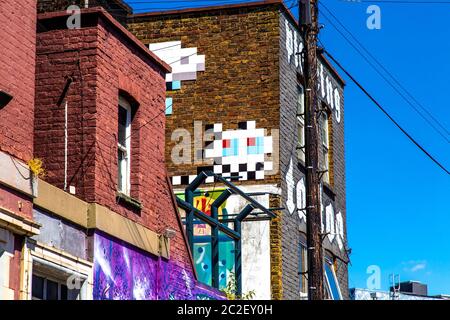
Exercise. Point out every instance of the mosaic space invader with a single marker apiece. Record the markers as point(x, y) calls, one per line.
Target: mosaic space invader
point(240, 154)
point(185, 62)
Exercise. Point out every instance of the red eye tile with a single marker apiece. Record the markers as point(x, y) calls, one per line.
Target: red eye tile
point(251, 142)
point(226, 143)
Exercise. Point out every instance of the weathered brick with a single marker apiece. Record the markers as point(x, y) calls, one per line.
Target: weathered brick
point(111, 63)
point(17, 65)
point(248, 77)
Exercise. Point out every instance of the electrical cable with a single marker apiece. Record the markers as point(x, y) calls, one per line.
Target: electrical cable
point(360, 86)
point(389, 74)
point(398, 1)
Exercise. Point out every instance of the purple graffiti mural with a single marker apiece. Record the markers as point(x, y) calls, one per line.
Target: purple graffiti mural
point(122, 272)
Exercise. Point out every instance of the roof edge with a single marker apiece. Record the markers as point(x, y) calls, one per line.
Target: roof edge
point(124, 5)
point(116, 25)
point(252, 4)
point(206, 8)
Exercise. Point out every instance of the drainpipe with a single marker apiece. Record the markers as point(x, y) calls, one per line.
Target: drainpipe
point(62, 99)
point(66, 138)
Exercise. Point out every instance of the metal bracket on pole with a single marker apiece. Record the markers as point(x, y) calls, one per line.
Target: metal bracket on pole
point(320, 112)
point(321, 173)
point(324, 235)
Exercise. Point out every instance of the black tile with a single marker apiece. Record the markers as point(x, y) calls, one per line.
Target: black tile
point(259, 166)
point(184, 179)
point(242, 125)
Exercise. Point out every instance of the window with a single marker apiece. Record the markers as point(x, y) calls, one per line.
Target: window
point(123, 146)
point(46, 289)
point(325, 146)
point(302, 269)
point(332, 284)
point(55, 275)
point(300, 123)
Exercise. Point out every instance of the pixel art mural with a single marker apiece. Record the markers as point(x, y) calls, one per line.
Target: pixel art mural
point(185, 63)
point(122, 272)
point(242, 154)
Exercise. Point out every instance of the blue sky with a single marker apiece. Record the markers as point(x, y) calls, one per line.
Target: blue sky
point(398, 201)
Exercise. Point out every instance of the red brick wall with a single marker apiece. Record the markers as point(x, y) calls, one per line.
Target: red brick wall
point(108, 64)
point(16, 202)
point(61, 54)
point(121, 68)
point(17, 67)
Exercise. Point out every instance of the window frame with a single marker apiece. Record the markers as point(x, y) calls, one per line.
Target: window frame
point(300, 118)
point(47, 278)
point(325, 142)
point(333, 272)
point(303, 269)
point(124, 165)
point(49, 262)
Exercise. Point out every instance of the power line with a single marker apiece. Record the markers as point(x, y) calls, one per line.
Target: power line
point(387, 71)
point(117, 12)
point(390, 75)
point(398, 1)
point(162, 48)
point(202, 4)
point(148, 122)
point(178, 1)
point(137, 11)
point(386, 113)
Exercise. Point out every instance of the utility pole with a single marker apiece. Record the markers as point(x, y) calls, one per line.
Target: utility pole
point(308, 16)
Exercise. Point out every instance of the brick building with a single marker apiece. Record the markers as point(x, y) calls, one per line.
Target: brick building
point(103, 222)
point(17, 188)
point(117, 8)
point(235, 106)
